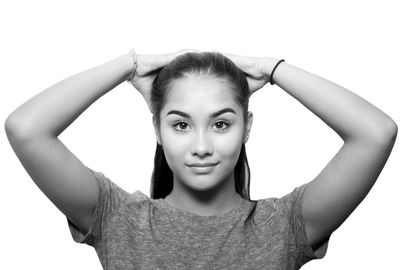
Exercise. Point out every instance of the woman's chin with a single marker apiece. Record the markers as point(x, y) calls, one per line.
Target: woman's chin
point(202, 183)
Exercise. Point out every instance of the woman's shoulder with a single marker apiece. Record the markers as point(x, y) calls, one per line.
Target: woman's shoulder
point(139, 196)
point(284, 203)
point(139, 201)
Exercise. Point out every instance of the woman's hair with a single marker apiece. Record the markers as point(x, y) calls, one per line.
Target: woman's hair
point(209, 64)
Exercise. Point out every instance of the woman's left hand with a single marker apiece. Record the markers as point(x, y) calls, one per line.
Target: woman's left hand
point(253, 68)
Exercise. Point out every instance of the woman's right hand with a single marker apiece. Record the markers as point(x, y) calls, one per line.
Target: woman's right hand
point(145, 75)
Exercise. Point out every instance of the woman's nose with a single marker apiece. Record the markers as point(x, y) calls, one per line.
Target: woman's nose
point(202, 145)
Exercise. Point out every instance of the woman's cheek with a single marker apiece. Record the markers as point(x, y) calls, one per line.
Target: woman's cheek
point(175, 146)
point(228, 144)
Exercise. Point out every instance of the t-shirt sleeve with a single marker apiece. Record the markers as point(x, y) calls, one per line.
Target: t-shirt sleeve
point(110, 199)
point(302, 250)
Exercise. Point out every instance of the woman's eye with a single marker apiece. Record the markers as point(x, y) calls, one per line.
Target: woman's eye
point(220, 125)
point(181, 125)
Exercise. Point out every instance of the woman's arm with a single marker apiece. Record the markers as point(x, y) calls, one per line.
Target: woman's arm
point(32, 130)
point(368, 133)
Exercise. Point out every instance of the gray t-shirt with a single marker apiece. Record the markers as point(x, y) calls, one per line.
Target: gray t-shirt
point(132, 231)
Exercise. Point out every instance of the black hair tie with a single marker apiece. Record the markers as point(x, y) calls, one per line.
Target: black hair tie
point(273, 70)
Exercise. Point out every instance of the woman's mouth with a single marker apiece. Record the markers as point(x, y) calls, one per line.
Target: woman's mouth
point(202, 168)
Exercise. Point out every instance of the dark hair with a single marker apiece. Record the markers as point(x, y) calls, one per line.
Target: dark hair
point(204, 63)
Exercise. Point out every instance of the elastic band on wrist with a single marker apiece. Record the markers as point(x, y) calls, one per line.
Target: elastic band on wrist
point(134, 56)
point(273, 70)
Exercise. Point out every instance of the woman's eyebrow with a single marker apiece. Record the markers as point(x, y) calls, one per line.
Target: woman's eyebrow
point(215, 114)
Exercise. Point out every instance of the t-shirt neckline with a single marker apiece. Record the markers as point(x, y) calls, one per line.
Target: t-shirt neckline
point(189, 217)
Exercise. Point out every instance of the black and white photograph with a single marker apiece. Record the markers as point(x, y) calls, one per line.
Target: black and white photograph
point(200, 134)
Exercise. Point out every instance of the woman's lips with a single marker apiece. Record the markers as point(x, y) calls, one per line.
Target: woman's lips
point(202, 167)
point(204, 164)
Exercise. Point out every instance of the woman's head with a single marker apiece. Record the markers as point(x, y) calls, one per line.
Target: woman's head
point(200, 105)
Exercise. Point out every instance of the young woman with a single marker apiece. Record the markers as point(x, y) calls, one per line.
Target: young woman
point(199, 214)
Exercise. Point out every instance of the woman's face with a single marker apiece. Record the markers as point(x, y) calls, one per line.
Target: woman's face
point(201, 123)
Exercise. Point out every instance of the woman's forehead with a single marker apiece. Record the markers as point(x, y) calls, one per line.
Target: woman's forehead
point(200, 91)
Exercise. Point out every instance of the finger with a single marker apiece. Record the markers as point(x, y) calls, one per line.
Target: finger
point(234, 57)
point(188, 50)
point(167, 58)
point(243, 62)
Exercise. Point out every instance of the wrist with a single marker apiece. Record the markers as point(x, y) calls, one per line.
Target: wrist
point(125, 63)
point(267, 65)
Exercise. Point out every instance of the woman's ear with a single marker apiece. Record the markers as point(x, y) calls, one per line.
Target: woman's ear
point(248, 126)
point(157, 130)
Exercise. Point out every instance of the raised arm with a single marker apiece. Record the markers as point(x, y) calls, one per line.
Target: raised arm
point(33, 127)
point(368, 134)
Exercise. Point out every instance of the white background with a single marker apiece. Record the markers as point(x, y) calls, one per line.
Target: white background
point(352, 43)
